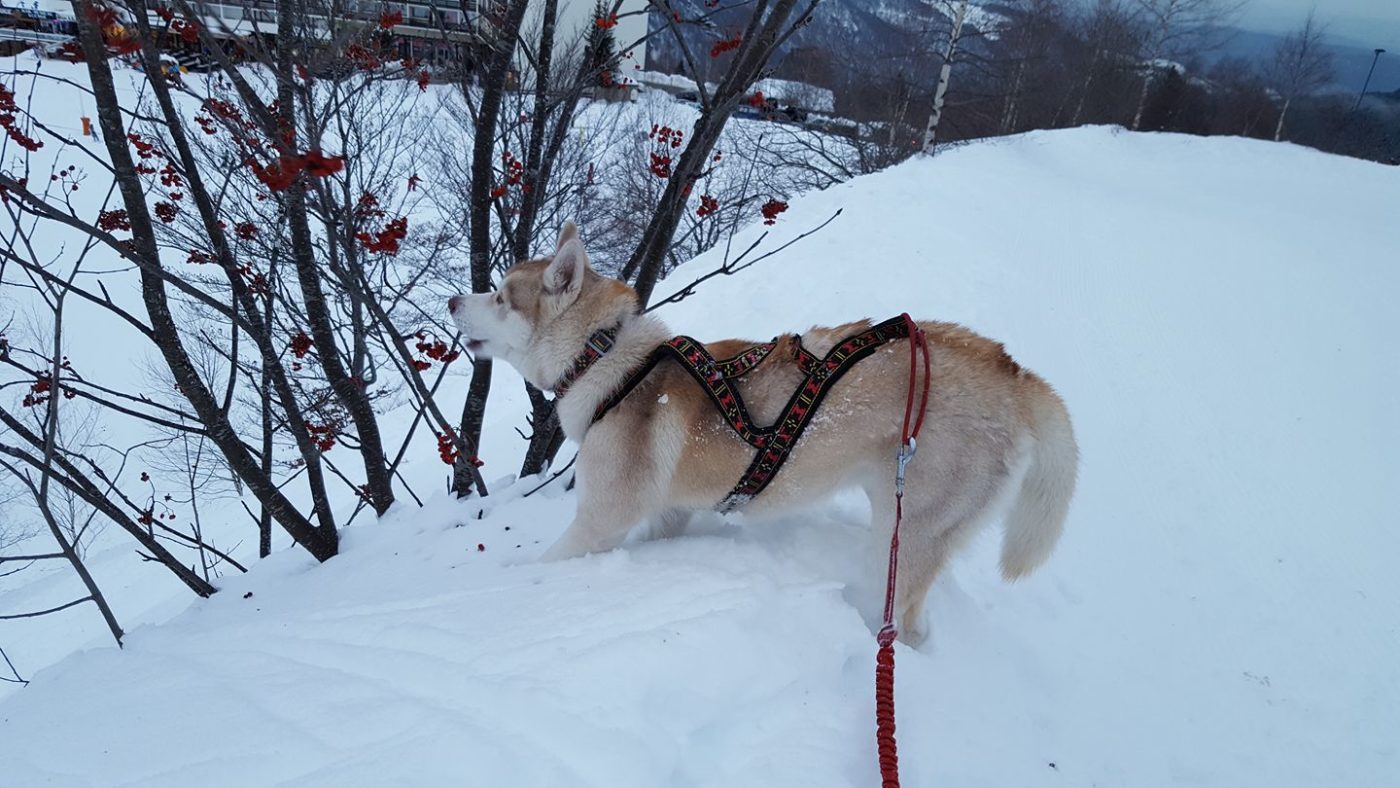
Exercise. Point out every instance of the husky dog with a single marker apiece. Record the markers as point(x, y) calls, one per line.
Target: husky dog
point(995, 435)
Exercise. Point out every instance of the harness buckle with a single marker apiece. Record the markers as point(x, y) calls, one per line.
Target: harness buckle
point(902, 456)
point(600, 342)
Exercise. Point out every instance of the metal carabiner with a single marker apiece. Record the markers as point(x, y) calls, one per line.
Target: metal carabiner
point(902, 456)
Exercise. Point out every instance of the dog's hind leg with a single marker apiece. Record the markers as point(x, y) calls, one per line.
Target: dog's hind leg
point(921, 557)
point(920, 560)
point(935, 526)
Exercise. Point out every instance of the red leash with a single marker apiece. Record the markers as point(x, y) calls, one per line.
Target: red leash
point(884, 658)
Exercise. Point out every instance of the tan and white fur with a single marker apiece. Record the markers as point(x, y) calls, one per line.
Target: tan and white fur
point(995, 435)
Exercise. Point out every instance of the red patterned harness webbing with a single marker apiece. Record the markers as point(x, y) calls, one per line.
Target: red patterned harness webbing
point(773, 443)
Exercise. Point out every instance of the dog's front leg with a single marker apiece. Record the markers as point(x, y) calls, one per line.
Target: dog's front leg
point(625, 471)
point(597, 528)
point(610, 505)
point(669, 524)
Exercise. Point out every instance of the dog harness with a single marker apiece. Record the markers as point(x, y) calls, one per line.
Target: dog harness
point(717, 377)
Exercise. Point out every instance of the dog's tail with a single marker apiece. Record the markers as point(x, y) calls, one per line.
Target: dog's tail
point(1038, 516)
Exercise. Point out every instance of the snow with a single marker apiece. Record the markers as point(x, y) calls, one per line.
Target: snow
point(417, 649)
point(58, 8)
point(982, 19)
point(676, 82)
point(801, 94)
point(1218, 316)
point(784, 91)
point(1163, 64)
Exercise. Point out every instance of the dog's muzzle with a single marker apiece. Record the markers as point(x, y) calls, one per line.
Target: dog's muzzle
point(454, 305)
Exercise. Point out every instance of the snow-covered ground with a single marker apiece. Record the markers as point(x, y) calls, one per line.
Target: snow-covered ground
point(141, 592)
point(1217, 313)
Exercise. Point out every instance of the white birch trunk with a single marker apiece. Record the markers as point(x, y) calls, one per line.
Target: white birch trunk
point(1142, 97)
point(1088, 83)
point(1278, 130)
point(937, 114)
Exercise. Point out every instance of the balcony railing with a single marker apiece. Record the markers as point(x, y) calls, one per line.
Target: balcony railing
point(420, 16)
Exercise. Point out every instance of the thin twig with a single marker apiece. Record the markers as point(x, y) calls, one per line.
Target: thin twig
point(40, 557)
point(737, 265)
point(18, 679)
point(552, 477)
point(37, 613)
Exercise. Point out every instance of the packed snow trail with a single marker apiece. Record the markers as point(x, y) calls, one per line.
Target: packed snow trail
point(1217, 313)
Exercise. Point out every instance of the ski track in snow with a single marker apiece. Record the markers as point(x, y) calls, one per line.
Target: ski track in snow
point(1221, 612)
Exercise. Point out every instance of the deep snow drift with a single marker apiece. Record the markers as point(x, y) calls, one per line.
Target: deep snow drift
point(1217, 313)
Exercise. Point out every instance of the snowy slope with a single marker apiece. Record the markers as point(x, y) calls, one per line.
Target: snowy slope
point(142, 592)
point(1219, 317)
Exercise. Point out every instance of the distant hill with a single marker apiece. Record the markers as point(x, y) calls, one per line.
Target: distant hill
point(869, 32)
point(1351, 59)
point(848, 33)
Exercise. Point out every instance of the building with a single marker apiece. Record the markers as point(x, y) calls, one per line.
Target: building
point(440, 35)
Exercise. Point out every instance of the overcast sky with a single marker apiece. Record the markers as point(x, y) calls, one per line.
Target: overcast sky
point(1369, 22)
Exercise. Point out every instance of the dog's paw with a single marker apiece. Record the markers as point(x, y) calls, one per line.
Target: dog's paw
point(560, 551)
point(914, 633)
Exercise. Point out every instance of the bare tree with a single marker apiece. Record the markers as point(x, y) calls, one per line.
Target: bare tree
point(1173, 28)
point(519, 170)
point(768, 27)
point(41, 489)
point(524, 167)
point(253, 244)
point(1301, 64)
point(13, 530)
point(11, 674)
point(1245, 104)
point(944, 73)
point(67, 481)
point(1027, 44)
point(1110, 38)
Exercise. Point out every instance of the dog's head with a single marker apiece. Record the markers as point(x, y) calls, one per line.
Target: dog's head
point(542, 309)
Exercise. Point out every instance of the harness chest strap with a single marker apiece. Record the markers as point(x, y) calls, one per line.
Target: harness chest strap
point(774, 443)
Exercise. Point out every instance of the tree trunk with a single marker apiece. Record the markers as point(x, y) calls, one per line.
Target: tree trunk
point(479, 229)
point(1278, 130)
point(473, 413)
point(1088, 83)
point(547, 436)
point(80, 485)
point(321, 543)
point(70, 552)
point(650, 256)
point(253, 311)
point(535, 172)
point(1147, 83)
point(936, 114)
point(41, 492)
point(1008, 112)
point(264, 514)
point(761, 38)
point(350, 392)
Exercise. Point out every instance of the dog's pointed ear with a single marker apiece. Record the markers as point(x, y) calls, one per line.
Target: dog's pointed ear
point(564, 277)
point(566, 233)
